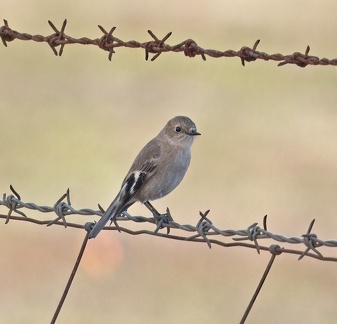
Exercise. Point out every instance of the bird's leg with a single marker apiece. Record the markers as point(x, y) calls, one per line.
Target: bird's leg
point(152, 209)
point(159, 219)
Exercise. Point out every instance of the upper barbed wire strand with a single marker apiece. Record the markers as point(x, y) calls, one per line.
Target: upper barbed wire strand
point(109, 42)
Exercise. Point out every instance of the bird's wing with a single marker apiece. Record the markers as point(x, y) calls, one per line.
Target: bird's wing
point(141, 170)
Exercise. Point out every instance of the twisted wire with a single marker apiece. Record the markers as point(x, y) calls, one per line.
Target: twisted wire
point(156, 46)
point(204, 231)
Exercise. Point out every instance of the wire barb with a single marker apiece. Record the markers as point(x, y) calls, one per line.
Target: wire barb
point(61, 208)
point(107, 41)
point(249, 54)
point(57, 38)
point(5, 37)
point(157, 46)
point(310, 241)
point(254, 232)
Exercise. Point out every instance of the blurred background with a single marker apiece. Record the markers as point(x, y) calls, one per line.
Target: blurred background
point(268, 146)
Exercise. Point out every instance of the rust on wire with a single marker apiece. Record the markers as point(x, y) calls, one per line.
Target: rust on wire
point(157, 46)
point(272, 250)
point(191, 49)
point(70, 280)
point(5, 36)
point(299, 59)
point(57, 38)
point(109, 42)
point(249, 54)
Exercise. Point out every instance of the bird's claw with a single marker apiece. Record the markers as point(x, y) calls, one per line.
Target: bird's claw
point(116, 224)
point(161, 220)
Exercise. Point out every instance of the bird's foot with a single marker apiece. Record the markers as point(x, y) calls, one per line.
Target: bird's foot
point(162, 220)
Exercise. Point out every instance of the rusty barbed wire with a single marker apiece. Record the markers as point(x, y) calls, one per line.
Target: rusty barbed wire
point(203, 231)
point(109, 42)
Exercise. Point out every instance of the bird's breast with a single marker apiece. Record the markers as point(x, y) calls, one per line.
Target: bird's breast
point(167, 176)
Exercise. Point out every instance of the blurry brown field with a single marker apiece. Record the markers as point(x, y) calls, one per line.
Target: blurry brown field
point(268, 146)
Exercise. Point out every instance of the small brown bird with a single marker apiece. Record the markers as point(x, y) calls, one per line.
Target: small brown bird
point(157, 170)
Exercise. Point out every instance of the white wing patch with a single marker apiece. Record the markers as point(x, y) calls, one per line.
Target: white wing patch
point(134, 185)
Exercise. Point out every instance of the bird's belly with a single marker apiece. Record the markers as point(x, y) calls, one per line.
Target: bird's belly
point(166, 181)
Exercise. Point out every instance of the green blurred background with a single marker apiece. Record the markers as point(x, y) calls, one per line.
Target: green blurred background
point(268, 146)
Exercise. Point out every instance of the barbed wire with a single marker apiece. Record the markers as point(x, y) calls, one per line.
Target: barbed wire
point(203, 231)
point(157, 46)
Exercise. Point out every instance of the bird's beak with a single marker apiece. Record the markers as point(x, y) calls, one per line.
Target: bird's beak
point(193, 132)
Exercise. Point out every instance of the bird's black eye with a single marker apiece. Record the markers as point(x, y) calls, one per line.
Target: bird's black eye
point(178, 129)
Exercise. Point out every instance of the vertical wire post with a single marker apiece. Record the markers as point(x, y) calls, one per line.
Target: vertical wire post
point(70, 280)
point(275, 250)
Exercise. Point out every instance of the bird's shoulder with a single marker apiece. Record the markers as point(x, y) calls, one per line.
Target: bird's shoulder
point(148, 157)
point(143, 167)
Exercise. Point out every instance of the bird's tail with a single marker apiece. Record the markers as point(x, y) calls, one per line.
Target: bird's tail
point(110, 214)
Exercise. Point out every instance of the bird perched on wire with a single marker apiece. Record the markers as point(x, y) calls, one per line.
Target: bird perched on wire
point(157, 170)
